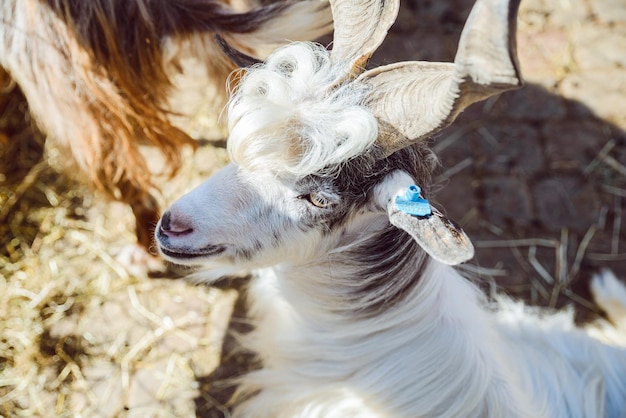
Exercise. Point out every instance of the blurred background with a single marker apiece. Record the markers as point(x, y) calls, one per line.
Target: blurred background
point(536, 177)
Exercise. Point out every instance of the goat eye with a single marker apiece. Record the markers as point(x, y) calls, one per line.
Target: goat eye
point(318, 200)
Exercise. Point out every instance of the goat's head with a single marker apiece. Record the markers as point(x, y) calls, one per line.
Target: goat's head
point(321, 148)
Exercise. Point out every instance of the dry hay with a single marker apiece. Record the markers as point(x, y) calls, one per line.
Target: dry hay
point(80, 335)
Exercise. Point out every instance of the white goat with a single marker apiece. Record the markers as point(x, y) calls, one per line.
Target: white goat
point(357, 309)
point(103, 77)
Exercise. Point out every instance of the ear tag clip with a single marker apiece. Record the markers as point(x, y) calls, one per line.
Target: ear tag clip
point(412, 204)
point(441, 238)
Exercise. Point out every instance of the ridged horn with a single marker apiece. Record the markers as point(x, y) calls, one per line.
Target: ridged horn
point(414, 100)
point(360, 28)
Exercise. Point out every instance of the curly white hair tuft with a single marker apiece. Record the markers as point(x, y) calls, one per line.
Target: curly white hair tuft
point(325, 126)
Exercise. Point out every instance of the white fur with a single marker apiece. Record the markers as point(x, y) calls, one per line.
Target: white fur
point(610, 294)
point(442, 353)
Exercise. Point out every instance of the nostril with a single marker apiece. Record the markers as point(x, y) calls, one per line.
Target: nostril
point(174, 227)
point(165, 221)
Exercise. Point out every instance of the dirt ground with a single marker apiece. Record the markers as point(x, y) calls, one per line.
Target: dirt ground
point(537, 178)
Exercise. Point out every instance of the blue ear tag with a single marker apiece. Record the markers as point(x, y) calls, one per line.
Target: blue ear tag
point(412, 203)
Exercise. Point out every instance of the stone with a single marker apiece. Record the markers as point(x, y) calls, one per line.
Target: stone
point(509, 148)
point(506, 201)
point(609, 11)
point(599, 47)
point(566, 202)
point(573, 144)
point(544, 55)
point(534, 102)
point(602, 90)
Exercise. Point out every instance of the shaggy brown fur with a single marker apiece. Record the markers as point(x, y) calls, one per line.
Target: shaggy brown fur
point(97, 75)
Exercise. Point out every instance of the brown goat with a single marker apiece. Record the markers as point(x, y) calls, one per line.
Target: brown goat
point(102, 77)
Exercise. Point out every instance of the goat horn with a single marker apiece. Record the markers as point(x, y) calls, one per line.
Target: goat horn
point(237, 57)
point(360, 28)
point(414, 100)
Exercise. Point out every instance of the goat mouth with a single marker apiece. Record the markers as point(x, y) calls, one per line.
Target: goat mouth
point(188, 254)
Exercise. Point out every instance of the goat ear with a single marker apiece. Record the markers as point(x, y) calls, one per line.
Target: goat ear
point(441, 238)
